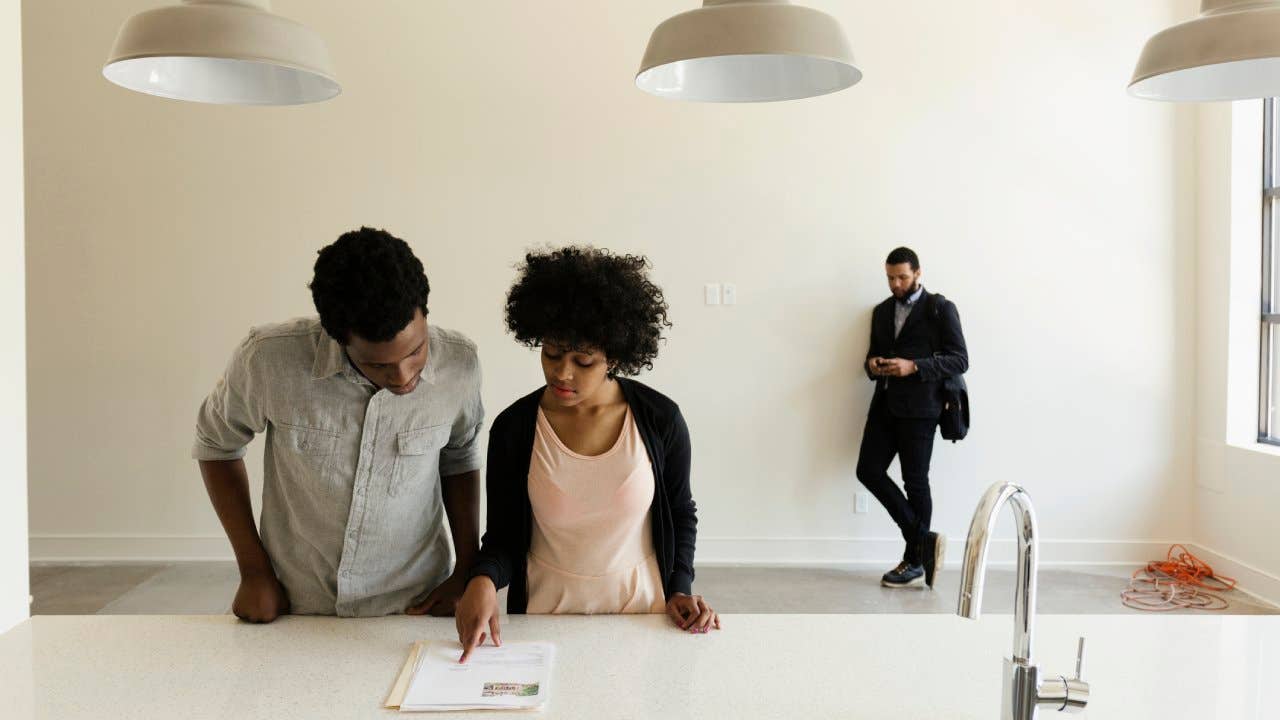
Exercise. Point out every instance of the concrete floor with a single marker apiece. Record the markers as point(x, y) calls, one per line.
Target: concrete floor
point(204, 588)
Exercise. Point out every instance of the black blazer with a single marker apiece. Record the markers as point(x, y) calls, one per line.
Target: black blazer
point(936, 344)
point(504, 549)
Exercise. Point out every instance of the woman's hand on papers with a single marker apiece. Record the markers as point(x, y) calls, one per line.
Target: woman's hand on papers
point(443, 600)
point(260, 599)
point(692, 613)
point(477, 615)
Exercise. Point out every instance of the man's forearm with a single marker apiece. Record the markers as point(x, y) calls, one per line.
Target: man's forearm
point(872, 352)
point(942, 366)
point(227, 482)
point(462, 504)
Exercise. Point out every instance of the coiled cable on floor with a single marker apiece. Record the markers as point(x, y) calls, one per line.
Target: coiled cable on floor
point(1181, 581)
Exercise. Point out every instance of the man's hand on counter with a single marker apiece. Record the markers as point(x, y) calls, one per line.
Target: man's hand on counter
point(692, 613)
point(261, 598)
point(477, 614)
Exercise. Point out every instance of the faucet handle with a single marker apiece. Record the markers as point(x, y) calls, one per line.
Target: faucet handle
point(1076, 689)
point(1069, 695)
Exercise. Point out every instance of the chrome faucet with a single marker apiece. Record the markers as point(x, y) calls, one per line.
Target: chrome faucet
point(1024, 691)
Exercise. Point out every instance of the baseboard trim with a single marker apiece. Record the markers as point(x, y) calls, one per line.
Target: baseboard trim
point(729, 551)
point(50, 548)
point(1252, 580)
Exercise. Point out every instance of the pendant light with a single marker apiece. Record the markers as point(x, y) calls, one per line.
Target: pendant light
point(1230, 52)
point(747, 51)
point(222, 51)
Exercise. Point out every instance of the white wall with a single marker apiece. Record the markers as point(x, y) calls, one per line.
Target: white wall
point(1237, 491)
point(994, 137)
point(13, 356)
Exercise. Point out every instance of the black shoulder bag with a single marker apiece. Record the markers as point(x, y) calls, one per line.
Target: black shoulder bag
point(954, 423)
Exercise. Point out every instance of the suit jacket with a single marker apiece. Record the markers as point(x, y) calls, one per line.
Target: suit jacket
point(935, 344)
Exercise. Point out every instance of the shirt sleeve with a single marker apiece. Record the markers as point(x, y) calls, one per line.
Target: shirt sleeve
point(499, 546)
point(873, 350)
point(462, 454)
point(684, 511)
point(953, 357)
point(234, 412)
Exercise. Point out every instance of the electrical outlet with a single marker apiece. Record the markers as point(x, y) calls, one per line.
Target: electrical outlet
point(861, 503)
point(730, 294)
point(713, 294)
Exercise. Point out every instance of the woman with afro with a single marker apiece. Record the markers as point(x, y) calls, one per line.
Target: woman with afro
point(589, 507)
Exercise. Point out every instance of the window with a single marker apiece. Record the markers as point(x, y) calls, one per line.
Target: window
point(1269, 385)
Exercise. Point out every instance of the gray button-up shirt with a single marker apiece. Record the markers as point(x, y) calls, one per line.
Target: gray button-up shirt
point(902, 310)
point(352, 513)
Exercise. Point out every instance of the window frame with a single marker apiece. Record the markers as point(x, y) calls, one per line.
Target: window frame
point(1268, 389)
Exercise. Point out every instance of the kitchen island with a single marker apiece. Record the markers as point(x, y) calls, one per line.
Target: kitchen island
point(932, 667)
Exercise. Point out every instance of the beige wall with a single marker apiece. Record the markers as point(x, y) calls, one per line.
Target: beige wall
point(13, 356)
point(994, 137)
point(1237, 491)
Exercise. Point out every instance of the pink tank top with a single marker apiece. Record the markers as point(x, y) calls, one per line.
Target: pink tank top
point(592, 545)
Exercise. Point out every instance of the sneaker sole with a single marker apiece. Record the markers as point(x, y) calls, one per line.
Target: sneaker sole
point(939, 557)
point(910, 583)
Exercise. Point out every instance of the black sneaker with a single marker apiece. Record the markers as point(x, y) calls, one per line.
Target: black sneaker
point(905, 575)
point(934, 555)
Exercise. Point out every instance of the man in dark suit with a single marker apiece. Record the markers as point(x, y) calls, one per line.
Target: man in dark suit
point(916, 343)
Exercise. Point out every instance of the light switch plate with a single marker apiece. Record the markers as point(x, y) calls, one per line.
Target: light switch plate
point(730, 294)
point(861, 503)
point(713, 294)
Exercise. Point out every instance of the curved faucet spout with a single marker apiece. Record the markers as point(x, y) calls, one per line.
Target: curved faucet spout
point(974, 574)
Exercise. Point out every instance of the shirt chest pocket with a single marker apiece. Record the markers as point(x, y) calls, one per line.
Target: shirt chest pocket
point(309, 449)
point(417, 464)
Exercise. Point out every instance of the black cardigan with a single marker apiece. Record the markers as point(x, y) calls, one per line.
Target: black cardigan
point(504, 548)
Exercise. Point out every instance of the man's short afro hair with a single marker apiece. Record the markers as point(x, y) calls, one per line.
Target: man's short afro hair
point(368, 283)
point(589, 299)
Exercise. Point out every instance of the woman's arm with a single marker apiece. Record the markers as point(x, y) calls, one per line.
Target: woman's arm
point(477, 612)
point(690, 612)
point(495, 559)
point(684, 511)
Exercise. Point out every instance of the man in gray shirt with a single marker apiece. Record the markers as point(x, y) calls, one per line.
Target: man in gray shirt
point(372, 420)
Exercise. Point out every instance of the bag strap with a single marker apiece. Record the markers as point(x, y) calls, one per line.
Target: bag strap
point(935, 305)
point(934, 312)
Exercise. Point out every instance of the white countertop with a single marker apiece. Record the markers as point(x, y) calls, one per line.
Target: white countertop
point(934, 667)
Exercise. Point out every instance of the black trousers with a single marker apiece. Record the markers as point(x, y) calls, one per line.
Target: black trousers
point(911, 441)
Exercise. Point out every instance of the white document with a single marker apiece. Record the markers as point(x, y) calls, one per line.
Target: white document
point(514, 676)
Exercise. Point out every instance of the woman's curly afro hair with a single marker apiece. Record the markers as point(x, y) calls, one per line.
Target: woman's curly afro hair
point(368, 283)
point(589, 299)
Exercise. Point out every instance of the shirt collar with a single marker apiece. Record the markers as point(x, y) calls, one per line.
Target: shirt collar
point(331, 359)
point(914, 298)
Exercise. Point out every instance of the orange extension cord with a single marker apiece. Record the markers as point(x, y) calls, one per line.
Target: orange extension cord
point(1181, 581)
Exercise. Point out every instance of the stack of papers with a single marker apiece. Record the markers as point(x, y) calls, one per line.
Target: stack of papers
point(516, 676)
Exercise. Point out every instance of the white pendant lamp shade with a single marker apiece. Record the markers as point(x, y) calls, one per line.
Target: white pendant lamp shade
point(1230, 52)
point(222, 51)
point(747, 51)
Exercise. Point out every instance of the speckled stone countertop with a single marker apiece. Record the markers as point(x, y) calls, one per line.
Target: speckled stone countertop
point(934, 667)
